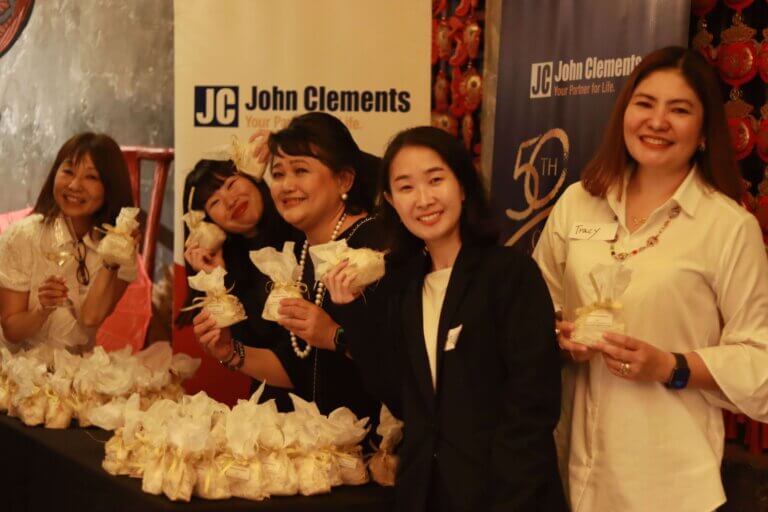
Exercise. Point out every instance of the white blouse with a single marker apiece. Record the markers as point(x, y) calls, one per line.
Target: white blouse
point(638, 446)
point(432, 298)
point(23, 268)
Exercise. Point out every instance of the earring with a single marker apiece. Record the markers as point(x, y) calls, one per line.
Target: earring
point(702, 146)
point(344, 196)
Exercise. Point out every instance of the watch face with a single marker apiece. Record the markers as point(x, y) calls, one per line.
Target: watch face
point(680, 378)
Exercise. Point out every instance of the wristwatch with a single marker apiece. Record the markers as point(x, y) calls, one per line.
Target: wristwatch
point(339, 341)
point(678, 379)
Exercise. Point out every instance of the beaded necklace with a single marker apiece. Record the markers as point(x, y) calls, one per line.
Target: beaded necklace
point(319, 291)
point(650, 242)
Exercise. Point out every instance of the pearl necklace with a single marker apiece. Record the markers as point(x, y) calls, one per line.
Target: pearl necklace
point(319, 291)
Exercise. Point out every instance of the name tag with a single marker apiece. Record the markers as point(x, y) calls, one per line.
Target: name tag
point(594, 231)
point(452, 338)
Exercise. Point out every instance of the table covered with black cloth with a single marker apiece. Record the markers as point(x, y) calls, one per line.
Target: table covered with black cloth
point(60, 470)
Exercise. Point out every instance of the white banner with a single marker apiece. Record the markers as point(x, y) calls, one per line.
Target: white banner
point(243, 65)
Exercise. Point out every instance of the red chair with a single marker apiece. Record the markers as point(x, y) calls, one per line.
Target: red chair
point(162, 158)
point(129, 322)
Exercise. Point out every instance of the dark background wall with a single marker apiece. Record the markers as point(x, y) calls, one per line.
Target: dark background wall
point(98, 65)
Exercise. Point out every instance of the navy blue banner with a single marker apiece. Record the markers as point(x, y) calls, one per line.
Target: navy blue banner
point(561, 65)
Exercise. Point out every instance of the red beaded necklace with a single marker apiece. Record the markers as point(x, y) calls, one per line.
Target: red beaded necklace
point(650, 242)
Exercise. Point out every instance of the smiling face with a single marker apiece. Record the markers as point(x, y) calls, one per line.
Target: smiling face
point(426, 195)
point(78, 189)
point(663, 122)
point(307, 193)
point(236, 206)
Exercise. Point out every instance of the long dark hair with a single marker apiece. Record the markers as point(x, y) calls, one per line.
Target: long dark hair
point(476, 225)
point(716, 164)
point(325, 137)
point(109, 163)
point(207, 177)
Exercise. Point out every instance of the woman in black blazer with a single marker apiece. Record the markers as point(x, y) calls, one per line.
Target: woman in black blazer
point(458, 341)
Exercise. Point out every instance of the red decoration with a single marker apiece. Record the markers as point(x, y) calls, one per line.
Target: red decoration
point(741, 125)
point(471, 89)
point(762, 134)
point(443, 40)
point(457, 36)
point(457, 99)
point(471, 36)
point(738, 5)
point(762, 57)
point(13, 19)
point(467, 130)
point(460, 56)
point(446, 122)
point(702, 42)
point(464, 7)
point(441, 90)
point(737, 54)
point(438, 7)
point(742, 137)
point(701, 8)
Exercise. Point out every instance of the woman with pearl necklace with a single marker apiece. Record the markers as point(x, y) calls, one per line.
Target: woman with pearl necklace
point(322, 184)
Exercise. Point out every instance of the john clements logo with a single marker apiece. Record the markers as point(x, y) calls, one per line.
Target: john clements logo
point(216, 105)
point(541, 79)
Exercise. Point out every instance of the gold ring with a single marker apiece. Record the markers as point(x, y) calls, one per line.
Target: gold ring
point(624, 369)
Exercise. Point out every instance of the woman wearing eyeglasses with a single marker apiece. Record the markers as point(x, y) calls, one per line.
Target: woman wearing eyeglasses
point(55, 288)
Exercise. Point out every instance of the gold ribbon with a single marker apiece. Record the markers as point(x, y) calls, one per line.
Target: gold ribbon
point(177, 460)
point(286, 285)
point(600, 303)
point(52, 396)
point(605, 304)
point(212, 297)
point(109, 229)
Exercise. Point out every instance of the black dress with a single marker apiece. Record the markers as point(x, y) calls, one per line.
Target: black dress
point(329, 379)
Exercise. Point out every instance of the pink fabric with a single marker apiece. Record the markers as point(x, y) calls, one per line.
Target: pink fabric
point(128, 323)
point(8, 218)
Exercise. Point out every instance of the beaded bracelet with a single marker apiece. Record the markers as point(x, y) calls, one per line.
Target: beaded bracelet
point(239, 350)
point(225, 362)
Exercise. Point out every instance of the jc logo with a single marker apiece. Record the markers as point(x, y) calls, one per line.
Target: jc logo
point(216, 105)
point(541, 80)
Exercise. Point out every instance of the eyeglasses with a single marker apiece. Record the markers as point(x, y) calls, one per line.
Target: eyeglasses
point(83, 276)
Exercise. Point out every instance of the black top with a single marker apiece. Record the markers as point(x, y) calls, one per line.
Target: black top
point(482, 438)
point(329, 379)
point(250, 287)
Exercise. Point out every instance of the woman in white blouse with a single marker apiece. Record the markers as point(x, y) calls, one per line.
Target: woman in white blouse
point(54, 287)
point(642, 426)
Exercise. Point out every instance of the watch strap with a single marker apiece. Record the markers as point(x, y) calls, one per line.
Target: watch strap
point(678, 379)
point(339, 342)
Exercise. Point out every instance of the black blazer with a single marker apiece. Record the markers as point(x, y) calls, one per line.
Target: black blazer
point(483, 440)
